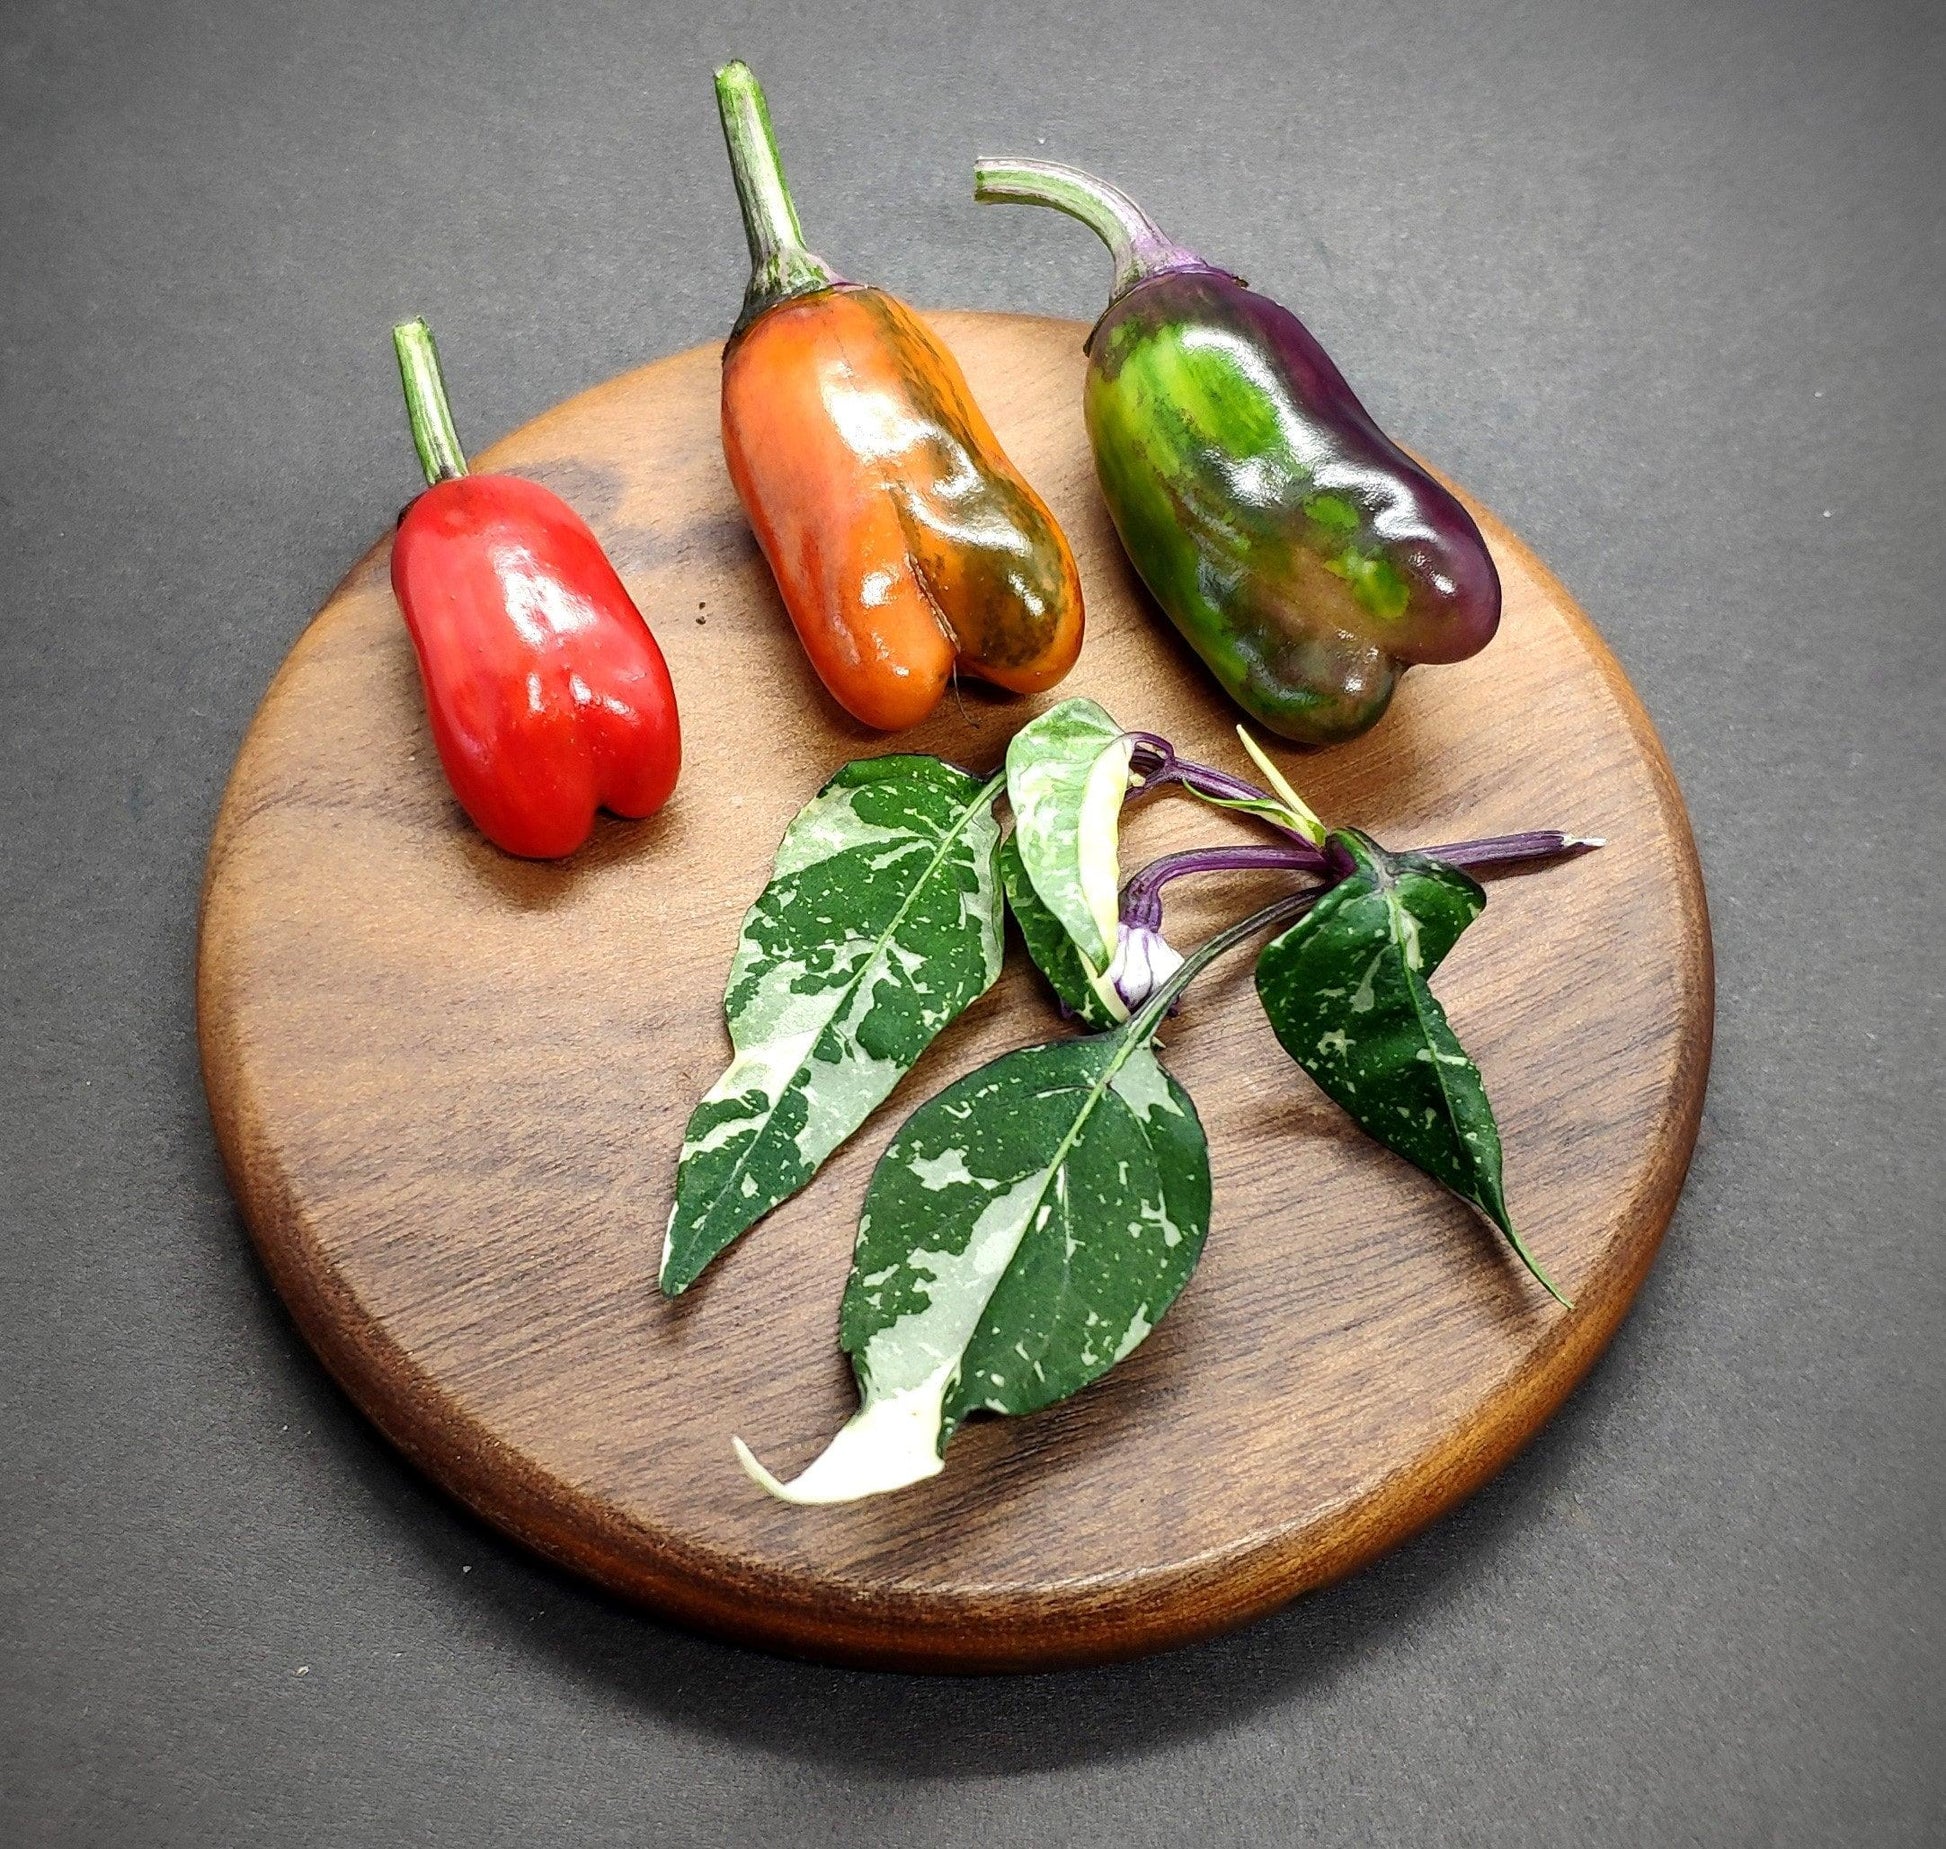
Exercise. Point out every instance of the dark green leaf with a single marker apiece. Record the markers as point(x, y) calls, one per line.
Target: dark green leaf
point(1346, 990)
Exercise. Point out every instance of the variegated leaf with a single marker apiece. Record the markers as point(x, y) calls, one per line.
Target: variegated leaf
point(1022, 1233)
point(1090, 995)
point(880, 924)
point(1346, 990)
point(1067, 773)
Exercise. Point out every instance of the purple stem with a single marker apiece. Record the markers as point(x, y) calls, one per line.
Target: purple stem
point(1498, 850)
point(1154, 760)
point(1142, 894)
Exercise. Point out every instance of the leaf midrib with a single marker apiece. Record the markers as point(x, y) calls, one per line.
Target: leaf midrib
point(1095, 1093)
point(983, 799)
point(1414, 984)
point(1387, 888)
point(1496, 1211)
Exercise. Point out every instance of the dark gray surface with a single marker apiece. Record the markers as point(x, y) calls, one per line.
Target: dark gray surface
point(1663, 285)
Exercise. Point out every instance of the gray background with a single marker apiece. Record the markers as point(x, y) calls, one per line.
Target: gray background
point(1663, 284)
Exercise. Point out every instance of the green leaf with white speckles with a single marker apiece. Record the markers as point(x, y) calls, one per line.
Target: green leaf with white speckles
point(1346, 990)
point(1022, 1233)
point(1053, 950)
point(1067, 773)
point(880, 924)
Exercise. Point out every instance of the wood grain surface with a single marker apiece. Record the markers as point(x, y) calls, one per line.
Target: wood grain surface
point(450, 1087)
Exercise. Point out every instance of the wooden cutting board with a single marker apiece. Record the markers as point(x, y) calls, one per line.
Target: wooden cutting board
point(450, 1087)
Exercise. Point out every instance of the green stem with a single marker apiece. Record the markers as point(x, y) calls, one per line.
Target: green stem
point(780, 265)
point(426, 409)
point(1142, 1025)
point(1136, 242)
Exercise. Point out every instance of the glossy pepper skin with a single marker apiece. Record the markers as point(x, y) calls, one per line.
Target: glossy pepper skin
point(547, 695)
point(1304, 556)
point(905, 545)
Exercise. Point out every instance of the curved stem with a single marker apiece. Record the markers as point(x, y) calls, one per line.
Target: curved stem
point(1155, 762)
point(780, 266)
point(1141, 906)
point(1142, 895)
point(1136, 242)
point(426, 409)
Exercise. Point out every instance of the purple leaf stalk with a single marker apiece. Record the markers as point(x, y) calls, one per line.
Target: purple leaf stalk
point(1155, 763)
point(1144, 959)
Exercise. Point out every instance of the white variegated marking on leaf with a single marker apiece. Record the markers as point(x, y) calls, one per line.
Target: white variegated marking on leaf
point(796, 1020)
point(840, 1094)
point(1067, 775)
point(959, 1286)
point(893, 1438)
point(1132, 1336)
point(911, 1365)
point(911, 1324)
point(1365, 997)
point(829, 824)
point(1144, 1088)
point(1103, 985)
point(1100, 826)
point(1405, 931)
point(944, 1170)
point(889, 1442)
point(1158, 1216)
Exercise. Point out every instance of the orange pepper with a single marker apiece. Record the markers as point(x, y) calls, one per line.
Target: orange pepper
point(904, 543)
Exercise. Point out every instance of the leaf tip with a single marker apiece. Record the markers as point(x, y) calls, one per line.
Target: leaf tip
point(1534, 1265)
point(756, 1472)
point(1495, 1210)
point(668, 1278)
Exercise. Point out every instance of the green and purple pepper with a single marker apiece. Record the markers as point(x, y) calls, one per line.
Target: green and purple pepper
point(1304, 555)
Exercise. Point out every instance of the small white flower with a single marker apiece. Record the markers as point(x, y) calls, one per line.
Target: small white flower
point(1143, 963)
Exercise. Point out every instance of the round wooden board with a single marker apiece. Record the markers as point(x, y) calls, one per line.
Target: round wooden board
point(450, 1088)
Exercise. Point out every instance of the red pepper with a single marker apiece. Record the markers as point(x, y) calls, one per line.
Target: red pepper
point(547, 695)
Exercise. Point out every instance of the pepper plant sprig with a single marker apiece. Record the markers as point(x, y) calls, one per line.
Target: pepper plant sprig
point(1021, 1234)
point(1141, 906)
point(1028, 1227)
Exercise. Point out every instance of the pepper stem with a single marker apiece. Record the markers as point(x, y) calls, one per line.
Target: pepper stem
point(780, 266)
point(1134, 239)
point(426, 409)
